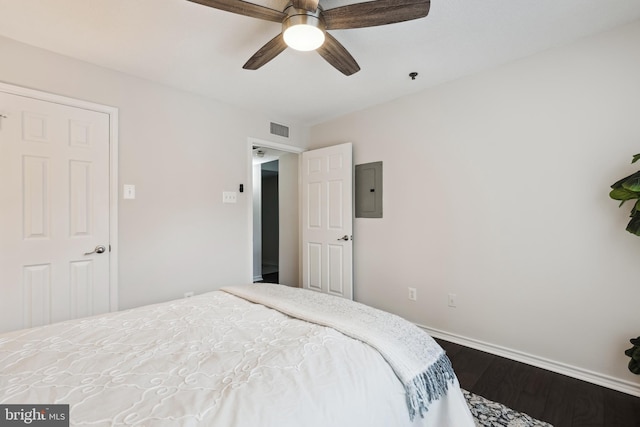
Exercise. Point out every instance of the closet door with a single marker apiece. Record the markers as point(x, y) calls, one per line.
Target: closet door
point(54, 205)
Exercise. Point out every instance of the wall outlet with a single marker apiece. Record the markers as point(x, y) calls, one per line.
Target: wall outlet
point(413, 294)
point(189, 294)
point(452, 300)
point(229, 197)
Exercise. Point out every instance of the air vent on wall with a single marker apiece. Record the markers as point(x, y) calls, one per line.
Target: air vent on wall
point(280, 130)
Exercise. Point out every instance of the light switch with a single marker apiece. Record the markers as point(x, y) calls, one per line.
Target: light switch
point(129, 191)
point(229, 197)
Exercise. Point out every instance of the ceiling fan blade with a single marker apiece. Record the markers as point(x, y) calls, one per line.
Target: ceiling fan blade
point(373, 13)
point(310, 5)
point(266, 53)
point(336, 55)
point(244, 8)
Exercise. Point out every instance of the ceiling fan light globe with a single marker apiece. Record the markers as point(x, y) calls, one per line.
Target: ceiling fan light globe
point(303, 37)
point(302, 29)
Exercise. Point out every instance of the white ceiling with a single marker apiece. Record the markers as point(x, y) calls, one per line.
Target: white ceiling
point(202, 50)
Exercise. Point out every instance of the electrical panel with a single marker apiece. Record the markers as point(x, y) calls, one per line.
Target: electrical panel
point(368, 189)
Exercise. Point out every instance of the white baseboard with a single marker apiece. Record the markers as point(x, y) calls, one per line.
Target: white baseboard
point(540, 362)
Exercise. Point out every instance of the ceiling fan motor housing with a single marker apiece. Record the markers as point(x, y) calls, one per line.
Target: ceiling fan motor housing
point(302, 29)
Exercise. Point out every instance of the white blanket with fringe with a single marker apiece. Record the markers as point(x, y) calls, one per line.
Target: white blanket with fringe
point(419, 362)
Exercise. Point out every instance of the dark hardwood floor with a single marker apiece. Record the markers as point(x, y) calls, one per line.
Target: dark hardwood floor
point(557, 399)
point(269, 278)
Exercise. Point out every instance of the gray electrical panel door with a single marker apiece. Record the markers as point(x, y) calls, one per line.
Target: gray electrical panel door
point(369, 190)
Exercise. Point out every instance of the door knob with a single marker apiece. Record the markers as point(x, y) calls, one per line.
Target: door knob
point(98, 250)
point(345, 238)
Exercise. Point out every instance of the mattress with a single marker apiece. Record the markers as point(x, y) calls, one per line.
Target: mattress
point(211, 360)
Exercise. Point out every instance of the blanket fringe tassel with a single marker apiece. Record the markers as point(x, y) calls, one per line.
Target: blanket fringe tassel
point(428, 386)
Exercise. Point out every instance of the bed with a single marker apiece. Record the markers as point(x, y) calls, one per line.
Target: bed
point(242, 356)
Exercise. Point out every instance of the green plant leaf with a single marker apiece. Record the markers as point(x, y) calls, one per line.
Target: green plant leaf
point(619, 183)
point(634, 354)
point(623, 194)
point(634, 225)
point(628, 188)
point(633, 183)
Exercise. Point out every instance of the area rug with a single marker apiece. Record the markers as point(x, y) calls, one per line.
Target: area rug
point(492, 414)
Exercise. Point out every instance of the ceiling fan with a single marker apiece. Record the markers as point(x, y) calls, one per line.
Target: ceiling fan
point(305, 24)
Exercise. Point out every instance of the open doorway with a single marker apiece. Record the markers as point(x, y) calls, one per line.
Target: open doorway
point(270, 223)
point(275, 212)
point(266, 217)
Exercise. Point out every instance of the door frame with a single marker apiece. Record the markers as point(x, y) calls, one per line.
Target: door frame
point(112, 112)
point(251, 141)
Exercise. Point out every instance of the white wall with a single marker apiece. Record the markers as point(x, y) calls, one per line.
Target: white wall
point(181, 151)
point(496, 190)
point(289, 220)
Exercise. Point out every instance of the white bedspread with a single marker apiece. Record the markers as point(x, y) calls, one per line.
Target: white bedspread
point(211, 360)
point(417, 360)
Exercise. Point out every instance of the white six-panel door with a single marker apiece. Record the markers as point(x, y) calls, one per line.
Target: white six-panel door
point(54, 208)
point(327, 225)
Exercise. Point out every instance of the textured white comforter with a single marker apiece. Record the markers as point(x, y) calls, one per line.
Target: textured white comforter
point(211, 360)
